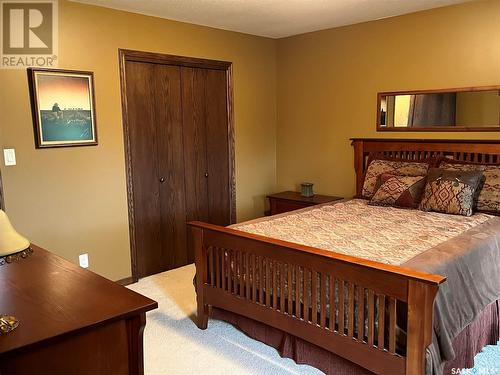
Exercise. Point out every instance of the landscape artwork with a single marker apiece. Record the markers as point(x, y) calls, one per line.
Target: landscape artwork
point(63, 108)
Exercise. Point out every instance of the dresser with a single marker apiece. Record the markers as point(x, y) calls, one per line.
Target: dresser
point(72, 321)
point(292, 200)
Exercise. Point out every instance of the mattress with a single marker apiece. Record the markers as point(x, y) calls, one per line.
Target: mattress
point(383, 234)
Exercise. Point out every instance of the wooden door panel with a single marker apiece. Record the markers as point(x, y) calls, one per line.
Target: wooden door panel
point(176, 120)
point(144, 165)
point(194, 137)
point(219, 202)
point(2, 199)
point(171, 165)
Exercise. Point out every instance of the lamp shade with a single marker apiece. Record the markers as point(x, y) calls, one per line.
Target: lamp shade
point(10, 241)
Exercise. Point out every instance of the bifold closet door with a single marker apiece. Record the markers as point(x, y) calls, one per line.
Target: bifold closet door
point(206, 153)
point(178, 144)
point(155, 134)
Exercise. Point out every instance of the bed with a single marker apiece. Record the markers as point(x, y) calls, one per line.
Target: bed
point(380, 316)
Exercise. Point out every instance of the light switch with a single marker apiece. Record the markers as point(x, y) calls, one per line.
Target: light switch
point(9, 155)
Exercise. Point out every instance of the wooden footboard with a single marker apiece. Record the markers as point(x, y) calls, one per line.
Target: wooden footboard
point(299, 289)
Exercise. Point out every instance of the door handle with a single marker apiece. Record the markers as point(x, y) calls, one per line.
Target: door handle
point(162, 179)
point(206, 174)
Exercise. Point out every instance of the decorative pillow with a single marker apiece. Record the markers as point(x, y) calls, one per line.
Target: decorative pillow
point(488, 199)
point(400, 168)
point(398, 191)
point(450, 192)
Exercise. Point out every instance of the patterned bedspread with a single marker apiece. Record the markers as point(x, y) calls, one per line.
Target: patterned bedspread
point(383, 234)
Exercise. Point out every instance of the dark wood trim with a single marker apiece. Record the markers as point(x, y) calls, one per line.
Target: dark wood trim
point(435, 128)
point(2, 197)
point(34, 106)
point(437, 91)
point(423, 140)
point(128, 167)
point(231, 142)
point(159, 58)
point(439, 129)
point(125, 55)
point(126, 281)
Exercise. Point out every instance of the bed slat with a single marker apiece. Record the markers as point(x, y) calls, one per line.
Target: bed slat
point(331, 322)
point(254, 281)
point(247, 276)
point(350, 316)
point(297, 292)
point(289, 269)
point(392, 325)
point(305, 295)
point(217, 268)
point(381, 321)
point(341, 306)
point(323, 291)
point(371, 317)
point(361, 313)
point(274, 267)
point(268, 282)
point(241, 277)
point(282, 287)
point(314, 297)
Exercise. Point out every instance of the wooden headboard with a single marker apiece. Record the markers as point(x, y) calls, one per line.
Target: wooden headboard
point(477, 151)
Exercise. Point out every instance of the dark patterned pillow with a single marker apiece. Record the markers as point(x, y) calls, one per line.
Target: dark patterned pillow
point(376, 167)
point(488, 199)
point(398, 191)
point(450, 192)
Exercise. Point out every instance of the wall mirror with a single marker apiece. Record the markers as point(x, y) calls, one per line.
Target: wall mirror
point(465, 109)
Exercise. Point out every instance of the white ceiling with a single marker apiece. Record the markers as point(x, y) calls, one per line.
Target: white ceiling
point(273, 18)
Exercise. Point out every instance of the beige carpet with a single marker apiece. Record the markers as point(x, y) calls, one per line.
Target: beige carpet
point(174, 345)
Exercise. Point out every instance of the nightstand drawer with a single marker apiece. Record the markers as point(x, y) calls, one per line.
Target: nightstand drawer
point(292, 200)
point(280, 206)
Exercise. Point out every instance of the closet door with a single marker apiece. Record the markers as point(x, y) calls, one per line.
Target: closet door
point(171, 166)
point(219, 202)
point(206, 153)
point(195, 144)
point(145, 167)
point(155, 135)
point(177, 142)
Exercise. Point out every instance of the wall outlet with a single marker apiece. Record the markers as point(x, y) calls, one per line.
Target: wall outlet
point(84, 260)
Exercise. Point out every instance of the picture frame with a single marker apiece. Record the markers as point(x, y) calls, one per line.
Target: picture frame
point(63, 107)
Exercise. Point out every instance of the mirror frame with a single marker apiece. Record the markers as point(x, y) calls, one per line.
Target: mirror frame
point(435, 128)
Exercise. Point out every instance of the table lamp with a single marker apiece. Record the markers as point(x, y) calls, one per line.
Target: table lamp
point(13, 247)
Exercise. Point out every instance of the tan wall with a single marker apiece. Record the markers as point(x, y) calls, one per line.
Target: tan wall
point(73, 200)
point(328, 81)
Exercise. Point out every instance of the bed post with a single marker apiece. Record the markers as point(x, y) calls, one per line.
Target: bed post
point(359, 167)
point(420, 307)
point(201, 277)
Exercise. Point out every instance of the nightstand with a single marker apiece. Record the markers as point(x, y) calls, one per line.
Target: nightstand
point(292, 200)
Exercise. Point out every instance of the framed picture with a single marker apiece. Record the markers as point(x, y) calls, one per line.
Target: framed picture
point(63, 107)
